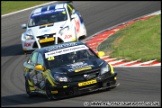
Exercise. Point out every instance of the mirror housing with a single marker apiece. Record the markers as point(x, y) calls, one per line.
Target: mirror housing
point(100, 54)
point(72, 17)
point(23, 26)
point(39, 67)
point(73, 11)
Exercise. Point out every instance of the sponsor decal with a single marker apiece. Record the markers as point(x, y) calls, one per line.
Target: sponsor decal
point(27, 44)
point(87, 83)
point(68, 36)
point(80, 66)
point(65, 50)
point(61, 46)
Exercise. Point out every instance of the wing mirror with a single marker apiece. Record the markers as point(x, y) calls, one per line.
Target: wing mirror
point(23, 26)
point(39, 67)
point(100, 54)
point(72, 17)
point(73, 14)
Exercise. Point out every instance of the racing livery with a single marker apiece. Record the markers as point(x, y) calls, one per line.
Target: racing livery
point(52, 24)
point(67, 69)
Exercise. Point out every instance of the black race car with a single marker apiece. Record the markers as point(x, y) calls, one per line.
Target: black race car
point(67, 69)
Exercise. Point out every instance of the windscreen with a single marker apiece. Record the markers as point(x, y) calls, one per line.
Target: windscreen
point(47, 17)
point(65, 56)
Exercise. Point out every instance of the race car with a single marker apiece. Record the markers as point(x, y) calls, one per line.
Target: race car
point(52, 24)
point(67, 69)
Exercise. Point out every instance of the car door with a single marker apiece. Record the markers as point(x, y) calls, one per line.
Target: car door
point(39, 73)
point(30, 65)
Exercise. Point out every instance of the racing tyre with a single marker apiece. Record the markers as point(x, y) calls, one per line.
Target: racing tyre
point(28, 91)
point(113, 86)
point(49, 95)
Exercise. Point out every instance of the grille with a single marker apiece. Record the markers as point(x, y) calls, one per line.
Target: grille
point(35, 45)
point(46, 36)
point(47, 44)
point(80, 76)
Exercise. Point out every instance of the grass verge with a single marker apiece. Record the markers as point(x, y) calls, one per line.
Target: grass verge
point(141, 40)
point(12, 6)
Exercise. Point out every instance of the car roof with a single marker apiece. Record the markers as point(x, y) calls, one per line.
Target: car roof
point(59, 46)
point(48, 8)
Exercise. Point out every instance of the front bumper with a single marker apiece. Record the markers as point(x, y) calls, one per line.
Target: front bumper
point(69, 89)
point(28, 45)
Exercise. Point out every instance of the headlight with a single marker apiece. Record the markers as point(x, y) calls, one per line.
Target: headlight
point(29, 37)
point(61, 78)
point(104, 69)
point(64, 30)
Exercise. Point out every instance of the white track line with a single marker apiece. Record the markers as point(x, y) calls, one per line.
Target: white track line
point(109, 59)
point(159, 64)
point(148, 62)
point(128, 63)
point(26, 9)
point(113, 62)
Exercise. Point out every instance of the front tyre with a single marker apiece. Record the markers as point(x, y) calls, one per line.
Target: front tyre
point(28, 91)
point(49, 95)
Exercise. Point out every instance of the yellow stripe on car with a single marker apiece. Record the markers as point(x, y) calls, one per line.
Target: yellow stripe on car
point(112, 69)
point(70, 7)
point(48, 76)
point(31, 86)
point(54, 92)
point(46, 24)
point(84, 68)
point(30, 83)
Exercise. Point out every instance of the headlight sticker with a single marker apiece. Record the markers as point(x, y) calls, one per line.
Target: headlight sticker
point(77, 67)
point(63, 12)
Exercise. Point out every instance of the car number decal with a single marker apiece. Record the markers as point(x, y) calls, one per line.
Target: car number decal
point(87, 83)
point(51, 58)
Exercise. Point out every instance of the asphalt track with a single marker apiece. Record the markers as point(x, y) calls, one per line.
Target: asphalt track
point(138, 84)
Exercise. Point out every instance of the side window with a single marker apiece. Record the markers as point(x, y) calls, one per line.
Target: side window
point(40, 60)
point(33, 58)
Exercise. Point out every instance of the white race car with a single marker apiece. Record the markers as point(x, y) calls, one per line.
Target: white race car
point(52, 24)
